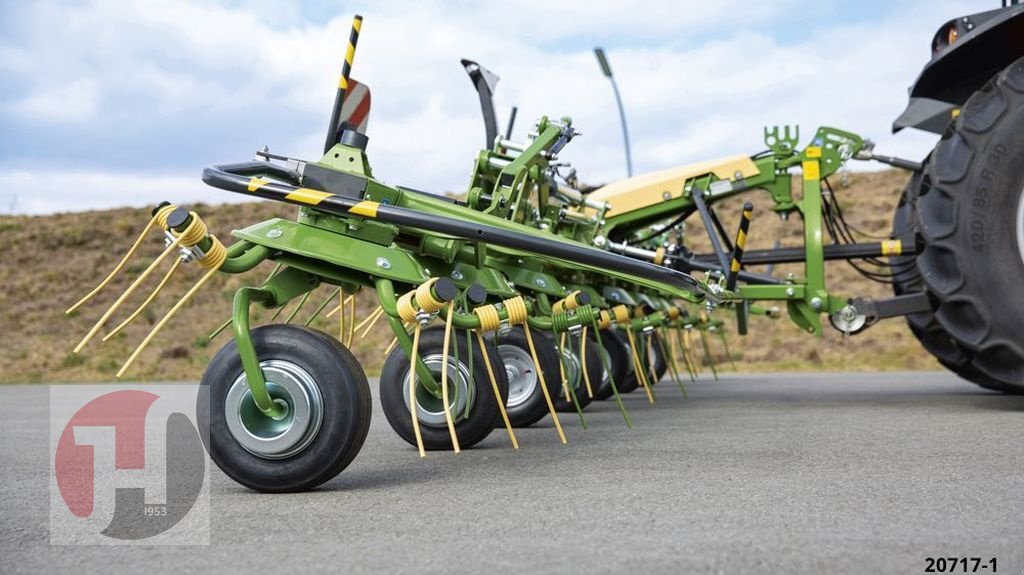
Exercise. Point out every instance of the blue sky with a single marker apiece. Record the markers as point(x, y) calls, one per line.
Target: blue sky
point(117, 103)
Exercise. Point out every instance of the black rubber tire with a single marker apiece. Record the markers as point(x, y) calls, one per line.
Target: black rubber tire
point(483, 415)
point(347, 407)
point(629, 381)
point(535, 407)
point(659, 363)
point(968, 218)
point(618, 362)
point(907, 279)
point(593, 369)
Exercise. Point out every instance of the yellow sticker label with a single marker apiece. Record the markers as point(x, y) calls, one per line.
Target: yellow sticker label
point(892, 248)
point(256, 183)
point(365, 208)
point(955, 113)
point(307, 196)
point(812, 172)
point(814, 151)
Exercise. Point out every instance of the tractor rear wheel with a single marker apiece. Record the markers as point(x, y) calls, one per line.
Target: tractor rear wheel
point(907, 279)
point(971, 220)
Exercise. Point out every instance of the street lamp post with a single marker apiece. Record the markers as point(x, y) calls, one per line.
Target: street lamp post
point(607, 70)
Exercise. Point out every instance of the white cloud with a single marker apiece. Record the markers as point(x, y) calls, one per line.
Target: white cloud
point(698, 80)
point(76, 101)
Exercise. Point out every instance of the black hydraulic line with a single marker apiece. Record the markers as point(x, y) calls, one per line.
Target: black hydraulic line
point(664, 229)
point(709, 226)
point(238, 178)
point(831, 252)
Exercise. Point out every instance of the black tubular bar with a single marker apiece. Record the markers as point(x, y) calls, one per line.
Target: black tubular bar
point(721, 230)
point(831, 252)
point(707, 265)
point(238, 178)
point(709, 226)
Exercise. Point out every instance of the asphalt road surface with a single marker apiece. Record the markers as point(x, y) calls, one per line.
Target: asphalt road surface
point(810, 473)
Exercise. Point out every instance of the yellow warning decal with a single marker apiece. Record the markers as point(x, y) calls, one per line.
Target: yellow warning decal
point(812, 172)
point(256, 183)
point(365, 208)
point(814, 151)
point(892, 248)
point(307, 196)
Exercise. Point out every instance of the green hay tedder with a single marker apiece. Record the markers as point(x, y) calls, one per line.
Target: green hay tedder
point(534, 296)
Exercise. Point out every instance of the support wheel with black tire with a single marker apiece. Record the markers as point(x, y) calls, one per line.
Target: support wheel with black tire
point(327, 407)
point(526, 404)
point(629, 382)
point(472, 403)
point(574, 364)
point(658, 361)
point(971, 220)
point(617, 356)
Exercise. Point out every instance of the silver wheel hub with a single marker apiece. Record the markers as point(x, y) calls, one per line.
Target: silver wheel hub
point(292, 388)
point(521, 372)
point(461, 393)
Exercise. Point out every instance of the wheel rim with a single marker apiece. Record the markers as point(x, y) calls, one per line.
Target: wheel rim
point(1020, 226)
point(289, 386)
point(571, 363)
point(521, 372)
point(461, 394)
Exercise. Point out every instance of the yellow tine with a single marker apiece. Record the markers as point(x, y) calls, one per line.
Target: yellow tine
point(209, 274)
point(149, 300)
point(170, 249)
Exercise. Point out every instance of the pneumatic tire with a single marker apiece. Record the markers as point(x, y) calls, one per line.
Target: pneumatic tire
point(907, 279)
point(629, 382)
point(470, 389)
point(329, 407)
point(971, 221)
point(617, 355)
point(574, 364)
point(526, 404)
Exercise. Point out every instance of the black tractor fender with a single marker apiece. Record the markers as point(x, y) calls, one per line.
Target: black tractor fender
point(966, 52)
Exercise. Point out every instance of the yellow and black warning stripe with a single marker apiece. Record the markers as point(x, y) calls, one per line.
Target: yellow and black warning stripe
point(741, 243)
point(350, 53)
